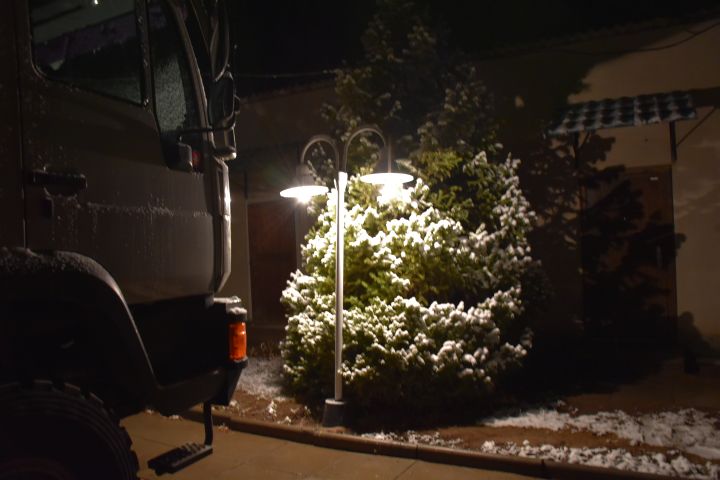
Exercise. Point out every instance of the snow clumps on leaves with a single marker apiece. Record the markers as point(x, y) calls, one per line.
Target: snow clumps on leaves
point(432, 300)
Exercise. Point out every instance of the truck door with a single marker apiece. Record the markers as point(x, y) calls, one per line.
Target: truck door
point(11, 208)
point(100, 159)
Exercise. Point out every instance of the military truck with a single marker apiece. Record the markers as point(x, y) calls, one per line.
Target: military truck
point(116, 120)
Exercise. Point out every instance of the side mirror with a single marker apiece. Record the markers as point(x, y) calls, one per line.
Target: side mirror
point(220, 39)
point(221, 104)
point(185, 157)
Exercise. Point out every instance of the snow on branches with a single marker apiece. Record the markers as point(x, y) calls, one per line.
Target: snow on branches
point(428, 300)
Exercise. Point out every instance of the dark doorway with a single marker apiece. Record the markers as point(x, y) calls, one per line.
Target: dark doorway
point(271, 230)
point(628, 255)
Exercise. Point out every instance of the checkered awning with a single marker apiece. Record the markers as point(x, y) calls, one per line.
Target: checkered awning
point(624, 112)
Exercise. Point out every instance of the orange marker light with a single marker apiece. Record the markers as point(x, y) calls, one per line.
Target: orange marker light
point(237, 335)
point(196, 160)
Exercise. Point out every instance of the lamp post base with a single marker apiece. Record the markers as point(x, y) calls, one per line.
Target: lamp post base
point(333, 413)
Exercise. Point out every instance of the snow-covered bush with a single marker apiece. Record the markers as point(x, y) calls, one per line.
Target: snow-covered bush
point(428, 302)
point(435, 283)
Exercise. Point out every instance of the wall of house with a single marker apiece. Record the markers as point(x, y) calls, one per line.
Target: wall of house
point(660, 60)
point(270, 132)
point(530, 86)
point(239, 281)
point(690, 65)
point(696, 208)
point(282, 118)
point(696, 186)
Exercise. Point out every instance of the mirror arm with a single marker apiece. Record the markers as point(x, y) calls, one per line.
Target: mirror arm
point(221, 29)
point(207, 130)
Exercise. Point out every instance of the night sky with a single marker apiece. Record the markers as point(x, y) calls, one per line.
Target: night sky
point(302, 37)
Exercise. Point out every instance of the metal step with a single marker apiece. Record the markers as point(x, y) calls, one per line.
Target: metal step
point(179, 458)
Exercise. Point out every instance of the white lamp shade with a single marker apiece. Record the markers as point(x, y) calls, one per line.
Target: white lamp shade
point(304, 192)
point(304, 185)
point(387, 178)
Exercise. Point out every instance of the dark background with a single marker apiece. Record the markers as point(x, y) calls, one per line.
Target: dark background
point(278, 44)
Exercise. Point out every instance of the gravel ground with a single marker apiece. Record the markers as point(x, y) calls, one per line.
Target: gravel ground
point(678, 437)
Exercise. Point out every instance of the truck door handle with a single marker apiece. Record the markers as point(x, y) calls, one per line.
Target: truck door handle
point(69, 183)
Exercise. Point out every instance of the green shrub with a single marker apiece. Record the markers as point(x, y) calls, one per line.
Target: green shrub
point(428, 301)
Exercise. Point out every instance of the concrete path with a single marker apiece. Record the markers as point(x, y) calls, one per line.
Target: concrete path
point(243, 456)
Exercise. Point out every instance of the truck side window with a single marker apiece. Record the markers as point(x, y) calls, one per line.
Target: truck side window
point(175, 97)
point(92, 44)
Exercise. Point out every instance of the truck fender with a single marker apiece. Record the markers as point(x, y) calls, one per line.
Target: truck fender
point(71, 278)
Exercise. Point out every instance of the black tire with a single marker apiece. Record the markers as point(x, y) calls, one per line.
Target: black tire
point(55, 432)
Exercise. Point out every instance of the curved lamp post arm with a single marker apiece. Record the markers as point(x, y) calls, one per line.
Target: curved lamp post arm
point(340, 161)
point(355, 133)
point(334, 407)
point(321, 139)
point(337, 404)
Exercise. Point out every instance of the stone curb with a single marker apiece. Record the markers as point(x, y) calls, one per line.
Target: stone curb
point(328, 439)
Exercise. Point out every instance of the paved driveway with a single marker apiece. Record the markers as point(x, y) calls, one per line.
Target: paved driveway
point(243, 456)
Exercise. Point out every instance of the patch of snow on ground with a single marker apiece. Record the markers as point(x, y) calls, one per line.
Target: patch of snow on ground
point(411, 436)
point(262, 377)
point(671, 464)
point(272, 409)
point(688, 430)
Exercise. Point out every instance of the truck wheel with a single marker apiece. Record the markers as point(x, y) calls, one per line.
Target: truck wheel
point(51, 432)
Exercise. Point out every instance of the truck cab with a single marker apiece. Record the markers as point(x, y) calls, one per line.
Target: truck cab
point(116, 120)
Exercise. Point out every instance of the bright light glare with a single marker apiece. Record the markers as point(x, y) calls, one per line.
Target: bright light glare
point(392, 192)
point(304, 193)
point(388, 178)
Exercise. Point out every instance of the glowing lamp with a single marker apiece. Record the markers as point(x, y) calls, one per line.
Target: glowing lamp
point(304, 187)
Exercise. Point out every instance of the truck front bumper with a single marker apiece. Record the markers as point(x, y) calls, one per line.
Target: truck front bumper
point(205, 365)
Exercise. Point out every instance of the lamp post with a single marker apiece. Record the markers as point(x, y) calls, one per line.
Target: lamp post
point(303, 190)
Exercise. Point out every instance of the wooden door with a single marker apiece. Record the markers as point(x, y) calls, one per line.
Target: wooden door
point(271, 231)
point(628, 254)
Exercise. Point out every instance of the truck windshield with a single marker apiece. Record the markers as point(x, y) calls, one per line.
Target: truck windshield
point(176, 102)
point(199, 43)
point(90, 44)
